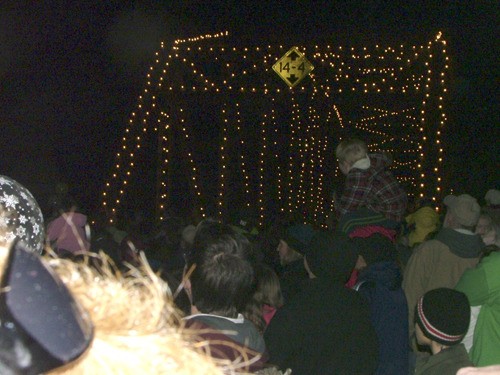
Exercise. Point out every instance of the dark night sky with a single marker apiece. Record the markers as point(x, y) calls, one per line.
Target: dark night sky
point(70, 73)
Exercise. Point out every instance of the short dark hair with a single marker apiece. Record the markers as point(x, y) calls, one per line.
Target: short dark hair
point(223, 279)
point(207, 231)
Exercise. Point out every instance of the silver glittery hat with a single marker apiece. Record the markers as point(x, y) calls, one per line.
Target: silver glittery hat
point(20, 215)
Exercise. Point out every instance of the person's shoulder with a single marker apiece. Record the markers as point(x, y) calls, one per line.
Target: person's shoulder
point(206, 320)
point(79, 218)
point(343, 297)
point(429, 245)
point(55, 222)
point(193, 320)
point(315, 293)
point(491, 260)
point(207, 326)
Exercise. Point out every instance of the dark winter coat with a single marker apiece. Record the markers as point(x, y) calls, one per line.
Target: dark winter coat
point(380, 284)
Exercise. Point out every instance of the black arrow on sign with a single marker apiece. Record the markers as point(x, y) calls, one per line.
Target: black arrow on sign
point(294, 55)
point(292, 78)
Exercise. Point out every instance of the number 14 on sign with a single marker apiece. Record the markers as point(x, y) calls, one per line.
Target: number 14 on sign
point(293, 67)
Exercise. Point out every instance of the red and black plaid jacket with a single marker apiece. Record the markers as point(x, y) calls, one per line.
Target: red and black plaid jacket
point(374, 188)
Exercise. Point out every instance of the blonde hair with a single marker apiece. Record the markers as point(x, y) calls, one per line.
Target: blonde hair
point(268, 287)
point(351, 150)
point(137, 327)
point(268, 292)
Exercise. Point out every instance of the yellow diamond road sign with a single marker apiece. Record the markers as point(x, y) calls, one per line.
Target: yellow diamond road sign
point(293, 67)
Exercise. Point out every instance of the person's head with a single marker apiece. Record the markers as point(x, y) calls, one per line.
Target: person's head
point(267, 292)
point(373, 249)
point(206, 231)
point(64, 204)
point(268, 287)
point(487, 229)
point(492, 198)
point(222, 279)
point(463, 212)
point(484, 224)
point(137, 326)
point(187, 236)
point(331, 257)
point(442, 318)
point(294, 242)
point(350, 151)
point(245, 221)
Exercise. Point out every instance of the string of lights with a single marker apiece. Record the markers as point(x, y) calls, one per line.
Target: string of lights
point(394, 97)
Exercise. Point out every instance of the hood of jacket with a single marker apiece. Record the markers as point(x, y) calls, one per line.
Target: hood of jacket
point(385, 273)
point(461, 244)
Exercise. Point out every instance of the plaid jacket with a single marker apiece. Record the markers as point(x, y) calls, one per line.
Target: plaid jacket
point(374, 188)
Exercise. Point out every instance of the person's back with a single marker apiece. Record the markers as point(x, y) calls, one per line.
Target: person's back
point(220, 285)
point(440, 262)
point(67, 232)
point(379, 281)
point(482, 286)
point(267, 297)
point(228, 338)
point(291, 271)
point(370, 188)
point(435, 264)
point(441, 320)
point(325, 328)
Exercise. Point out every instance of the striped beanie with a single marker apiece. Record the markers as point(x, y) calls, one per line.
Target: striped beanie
point(443, 315)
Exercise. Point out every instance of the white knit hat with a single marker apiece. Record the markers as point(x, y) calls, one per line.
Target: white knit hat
point(492, 197)
point(464, 208)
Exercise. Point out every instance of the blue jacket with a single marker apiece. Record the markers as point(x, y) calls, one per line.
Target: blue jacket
point(380, 283)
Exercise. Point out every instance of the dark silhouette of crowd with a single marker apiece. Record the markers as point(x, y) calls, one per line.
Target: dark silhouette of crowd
point(388, 289)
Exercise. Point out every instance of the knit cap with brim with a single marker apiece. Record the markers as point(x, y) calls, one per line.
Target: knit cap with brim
point(298, 237)
point(443, 315)
point(464, 207)
point(331, 256)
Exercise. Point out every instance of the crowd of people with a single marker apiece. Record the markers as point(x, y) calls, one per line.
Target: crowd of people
point(388, 289)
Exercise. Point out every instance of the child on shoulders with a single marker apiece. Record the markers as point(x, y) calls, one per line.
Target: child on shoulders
point(372, 196)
